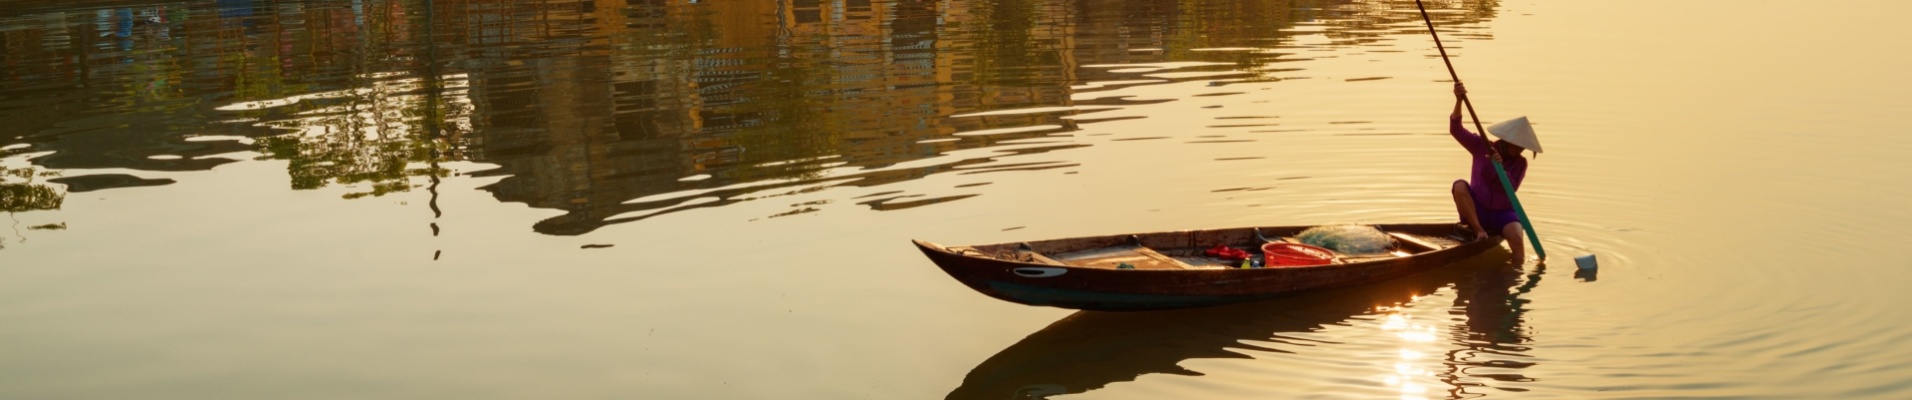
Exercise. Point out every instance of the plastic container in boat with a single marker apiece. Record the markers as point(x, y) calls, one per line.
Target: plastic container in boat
point(1280, 254)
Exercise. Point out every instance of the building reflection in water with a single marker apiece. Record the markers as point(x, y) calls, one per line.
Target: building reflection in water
point(620, 110)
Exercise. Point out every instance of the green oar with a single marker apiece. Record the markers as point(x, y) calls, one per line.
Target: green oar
point(1504, 182)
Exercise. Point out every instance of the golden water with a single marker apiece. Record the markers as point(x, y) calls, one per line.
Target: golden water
point(393, 199)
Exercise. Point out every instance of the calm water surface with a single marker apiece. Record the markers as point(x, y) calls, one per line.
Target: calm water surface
point(413, 199)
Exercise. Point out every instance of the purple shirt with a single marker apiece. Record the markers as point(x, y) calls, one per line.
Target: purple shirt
point(1484, 184)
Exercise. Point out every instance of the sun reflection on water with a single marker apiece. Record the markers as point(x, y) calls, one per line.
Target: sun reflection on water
point(1408, 377)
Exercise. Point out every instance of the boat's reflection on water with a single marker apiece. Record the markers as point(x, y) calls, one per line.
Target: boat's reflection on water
point(1088, 350)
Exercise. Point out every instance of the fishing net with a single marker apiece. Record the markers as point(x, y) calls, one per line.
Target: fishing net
point(1348, 239)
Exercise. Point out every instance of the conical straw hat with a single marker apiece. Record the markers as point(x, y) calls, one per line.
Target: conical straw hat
point(1517, 131)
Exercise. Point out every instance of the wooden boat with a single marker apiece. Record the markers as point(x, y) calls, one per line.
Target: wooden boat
point(1169, 269)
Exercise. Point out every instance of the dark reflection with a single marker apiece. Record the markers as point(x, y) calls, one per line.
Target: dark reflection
point(21, 192)
point(88, 183)
point(620, 110)
point(1494, 339)
point(1089, 350)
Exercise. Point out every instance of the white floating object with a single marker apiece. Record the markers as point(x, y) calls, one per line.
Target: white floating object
point(1586, 262)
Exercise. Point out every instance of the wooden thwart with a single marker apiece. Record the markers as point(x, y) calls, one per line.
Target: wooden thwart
point(1418, 244)
point(1039, 258)
point(1112, 257)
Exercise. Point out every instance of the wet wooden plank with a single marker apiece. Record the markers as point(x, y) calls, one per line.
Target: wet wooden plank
point(1112, 257)
point(1418, 244)
point(1039, 258)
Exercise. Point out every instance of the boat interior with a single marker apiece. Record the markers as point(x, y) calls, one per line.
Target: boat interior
point(1185, 250)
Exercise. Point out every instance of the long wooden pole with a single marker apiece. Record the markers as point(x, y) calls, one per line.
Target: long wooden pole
point(1498, 169)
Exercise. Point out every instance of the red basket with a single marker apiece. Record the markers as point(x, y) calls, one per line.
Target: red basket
point(1281, 254)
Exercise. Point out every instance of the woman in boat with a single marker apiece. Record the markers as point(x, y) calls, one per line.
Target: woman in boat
point(1480, 199)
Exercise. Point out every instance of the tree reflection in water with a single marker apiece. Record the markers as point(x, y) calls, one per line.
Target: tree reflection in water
point(619, 111)
point(20, 191)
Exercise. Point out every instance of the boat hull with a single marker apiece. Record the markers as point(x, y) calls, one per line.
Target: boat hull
point(1104, 289)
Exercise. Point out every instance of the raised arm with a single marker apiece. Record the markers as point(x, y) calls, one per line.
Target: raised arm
point(1474, 143)
point(1460, 93)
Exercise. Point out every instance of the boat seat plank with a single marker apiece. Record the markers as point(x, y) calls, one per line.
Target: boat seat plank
point(1420, 245)
point(1112, 257)
point(1205, 262)
point(1158, 256)
point(1038, 258)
